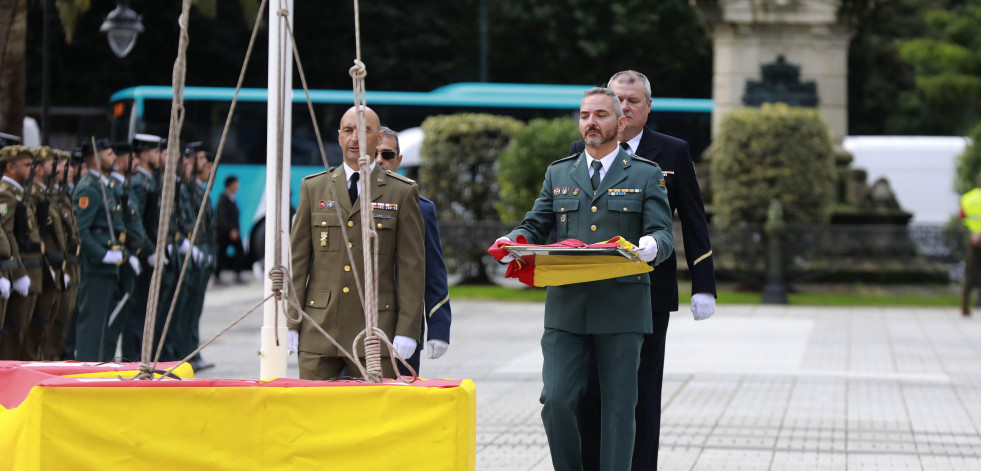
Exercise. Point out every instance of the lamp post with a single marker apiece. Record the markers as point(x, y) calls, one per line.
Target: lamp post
point(122, 26)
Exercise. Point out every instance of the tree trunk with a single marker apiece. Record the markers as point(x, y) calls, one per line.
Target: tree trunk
point(13, 65)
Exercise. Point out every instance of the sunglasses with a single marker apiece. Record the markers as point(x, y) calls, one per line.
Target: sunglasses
point(387, 154)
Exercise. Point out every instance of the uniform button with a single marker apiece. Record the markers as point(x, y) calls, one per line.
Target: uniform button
point(323, 223)
point(350, 244)
point(638, 277)
point(345, 289)
point(562, 210)
point(624, 209)
point(387, 306)
point(350, 224)
point(311, 303)
point(347, 267)
point(379, 225)
point(593, 209)
point(593, 228)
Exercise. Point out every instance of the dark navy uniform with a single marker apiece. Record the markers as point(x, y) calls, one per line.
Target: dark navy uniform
point(684, 196)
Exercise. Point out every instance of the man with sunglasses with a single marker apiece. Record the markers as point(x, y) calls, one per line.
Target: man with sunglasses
point(437, 299)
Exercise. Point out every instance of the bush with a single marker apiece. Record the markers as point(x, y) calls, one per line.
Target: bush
point(523, 163)
point(458, 171)
point(969, 163)
point(773, 152)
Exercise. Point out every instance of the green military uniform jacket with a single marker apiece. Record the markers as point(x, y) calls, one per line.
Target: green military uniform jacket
point(52, 231)
point(142, 185)
point(631, 201)
point(137, 242)
point(72, 243)
point(93, 226)
point(10, 195)
point(322, 272)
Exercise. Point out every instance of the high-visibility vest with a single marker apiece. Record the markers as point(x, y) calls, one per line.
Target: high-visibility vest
point(971, 205)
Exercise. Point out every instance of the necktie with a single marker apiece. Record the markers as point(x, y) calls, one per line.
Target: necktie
point(597, 165)
point(352, 190)
point(625, 146)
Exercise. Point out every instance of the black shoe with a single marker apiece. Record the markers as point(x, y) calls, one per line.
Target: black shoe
point(200, 365)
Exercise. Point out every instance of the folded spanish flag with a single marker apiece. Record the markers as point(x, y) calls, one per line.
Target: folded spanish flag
point(565, 262)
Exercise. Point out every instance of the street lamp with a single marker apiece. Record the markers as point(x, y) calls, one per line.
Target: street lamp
point(122, 26)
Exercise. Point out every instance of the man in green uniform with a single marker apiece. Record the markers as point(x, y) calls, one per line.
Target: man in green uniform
point(53, 260)
point(323, 274)
point(17, 217)
point(144, 206)
point(61, 208)
point(101, 250)
point(203, 263)
point(593, 196)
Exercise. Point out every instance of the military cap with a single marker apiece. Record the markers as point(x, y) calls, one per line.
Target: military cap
point(163, 143)
point(122, 148)
point(11, 153)
point(8, 140)
point(100, 145)
point(43, 153)
point(193, 148)
point(146, 142)
point(76, 154)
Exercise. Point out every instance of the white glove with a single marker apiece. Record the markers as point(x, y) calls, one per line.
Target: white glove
point(5, 288)
point(702, 306)
point(436, 348)
point(507, 258)
point(22, 284)
point(113, 257)
point(185, 246)
point(152, 259)
point(646, 248)
point(170, 249)
point(68, 279)
point(197, 255)
point(135, 263)
point(404, 346)
point(293, 340)
point(54, 277)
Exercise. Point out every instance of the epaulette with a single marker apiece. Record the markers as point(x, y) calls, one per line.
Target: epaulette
point(399, 176)
point(563, 159)
point(637, 158)
point(314, 175)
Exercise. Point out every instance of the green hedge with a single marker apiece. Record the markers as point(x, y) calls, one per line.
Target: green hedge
point(773, 152)
point(524, 161)
point(969, 163)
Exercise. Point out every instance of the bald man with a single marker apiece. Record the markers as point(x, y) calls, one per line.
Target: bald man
point(324, 274)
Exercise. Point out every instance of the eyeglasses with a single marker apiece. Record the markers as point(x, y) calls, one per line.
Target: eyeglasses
point(387, 154)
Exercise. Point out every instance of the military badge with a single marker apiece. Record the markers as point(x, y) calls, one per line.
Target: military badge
point(575, 192)
point(661, 182)
point(322, 204)
point(323, 239)
point(330, 204)
point(667, 172)
point(556, 191)
point(3, 209)
point(83, 202)
point(565, 190)
point(562, 218)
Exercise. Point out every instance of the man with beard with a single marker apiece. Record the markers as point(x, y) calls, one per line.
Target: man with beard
point(593, 196)
point(671, 154)
point(101, 250)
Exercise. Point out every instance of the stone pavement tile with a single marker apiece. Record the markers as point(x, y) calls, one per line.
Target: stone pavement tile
point(733, 459)
point(951, 463)
point(671, 458)
point(883, 462)
point(808, 461)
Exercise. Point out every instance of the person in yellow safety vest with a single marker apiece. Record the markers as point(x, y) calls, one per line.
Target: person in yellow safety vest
point(971, 214)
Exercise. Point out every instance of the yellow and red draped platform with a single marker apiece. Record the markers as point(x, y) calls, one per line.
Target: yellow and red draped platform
point(50, 421)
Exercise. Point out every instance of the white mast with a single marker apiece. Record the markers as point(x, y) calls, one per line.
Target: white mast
point(272, 362)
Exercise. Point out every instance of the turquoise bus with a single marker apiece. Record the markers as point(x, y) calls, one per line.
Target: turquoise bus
point(146, 109)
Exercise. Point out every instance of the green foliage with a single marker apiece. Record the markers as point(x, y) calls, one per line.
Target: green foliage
point(773, 152)
point(523, 163)
point(947, 64)
point(969, 163)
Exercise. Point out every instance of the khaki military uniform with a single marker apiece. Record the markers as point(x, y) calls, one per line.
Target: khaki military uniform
point(27, 250)
point(54, 340)
point(46, 307)
point(323, 275)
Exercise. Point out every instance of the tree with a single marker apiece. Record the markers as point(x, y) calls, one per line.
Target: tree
point(524, 161)
point(13, 79)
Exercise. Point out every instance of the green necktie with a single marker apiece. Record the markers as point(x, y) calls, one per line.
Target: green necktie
point(597, 165)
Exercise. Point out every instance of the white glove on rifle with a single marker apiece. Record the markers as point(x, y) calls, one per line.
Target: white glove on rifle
point(646, 248)
point(436, 348)
point(22, 284)
point(152, 259)
point(404, 346)
point(135, 263)
point(507, 258)
point(68, 280)
point(293, 340)
point(702, 306)
point(5, 288)
point(113, 257)
point(185, 246)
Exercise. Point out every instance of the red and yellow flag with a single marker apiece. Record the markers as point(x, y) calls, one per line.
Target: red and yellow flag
point(563, 266)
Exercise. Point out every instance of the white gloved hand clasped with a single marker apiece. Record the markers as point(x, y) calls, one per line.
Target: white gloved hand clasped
point(404, 346)
point(507, 258)
point(5, 288)
point(185, 246)
point(702, 306)
point(135, 264)
point(113, 257)
point(436, 348)
point(68, 280)
point(22, 284)
point(197, 255)
point(646, 248)
point(293, 340)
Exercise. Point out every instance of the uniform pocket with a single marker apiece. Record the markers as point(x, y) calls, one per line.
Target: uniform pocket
point(566, 212)
point(631, 215)
point(385, 224)
point(326, 231)
point(316, 304)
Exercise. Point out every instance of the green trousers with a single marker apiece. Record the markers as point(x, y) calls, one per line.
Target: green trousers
point(96, 298)
point(564, 374)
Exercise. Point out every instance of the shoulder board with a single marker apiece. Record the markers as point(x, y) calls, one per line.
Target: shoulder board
point(427, 200)
point(637, 158)
point(399, 176)
point(563, 159)
point(314, 175)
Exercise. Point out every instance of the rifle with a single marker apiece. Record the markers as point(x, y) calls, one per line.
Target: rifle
point(21, 231)
point(43, 209)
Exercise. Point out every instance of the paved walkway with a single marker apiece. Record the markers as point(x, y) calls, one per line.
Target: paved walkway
point(754, 388)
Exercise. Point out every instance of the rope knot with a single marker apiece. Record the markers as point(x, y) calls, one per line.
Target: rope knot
point(277, 275)
point(283, 12)
point(358, 71)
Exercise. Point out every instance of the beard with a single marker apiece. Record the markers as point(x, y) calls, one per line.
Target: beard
point(603, 138)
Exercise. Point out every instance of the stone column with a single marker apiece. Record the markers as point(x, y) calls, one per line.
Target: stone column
point(750, 33)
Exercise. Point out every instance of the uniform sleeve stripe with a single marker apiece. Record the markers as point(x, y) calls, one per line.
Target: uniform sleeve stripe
point(703, 257)
point(439, 305)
